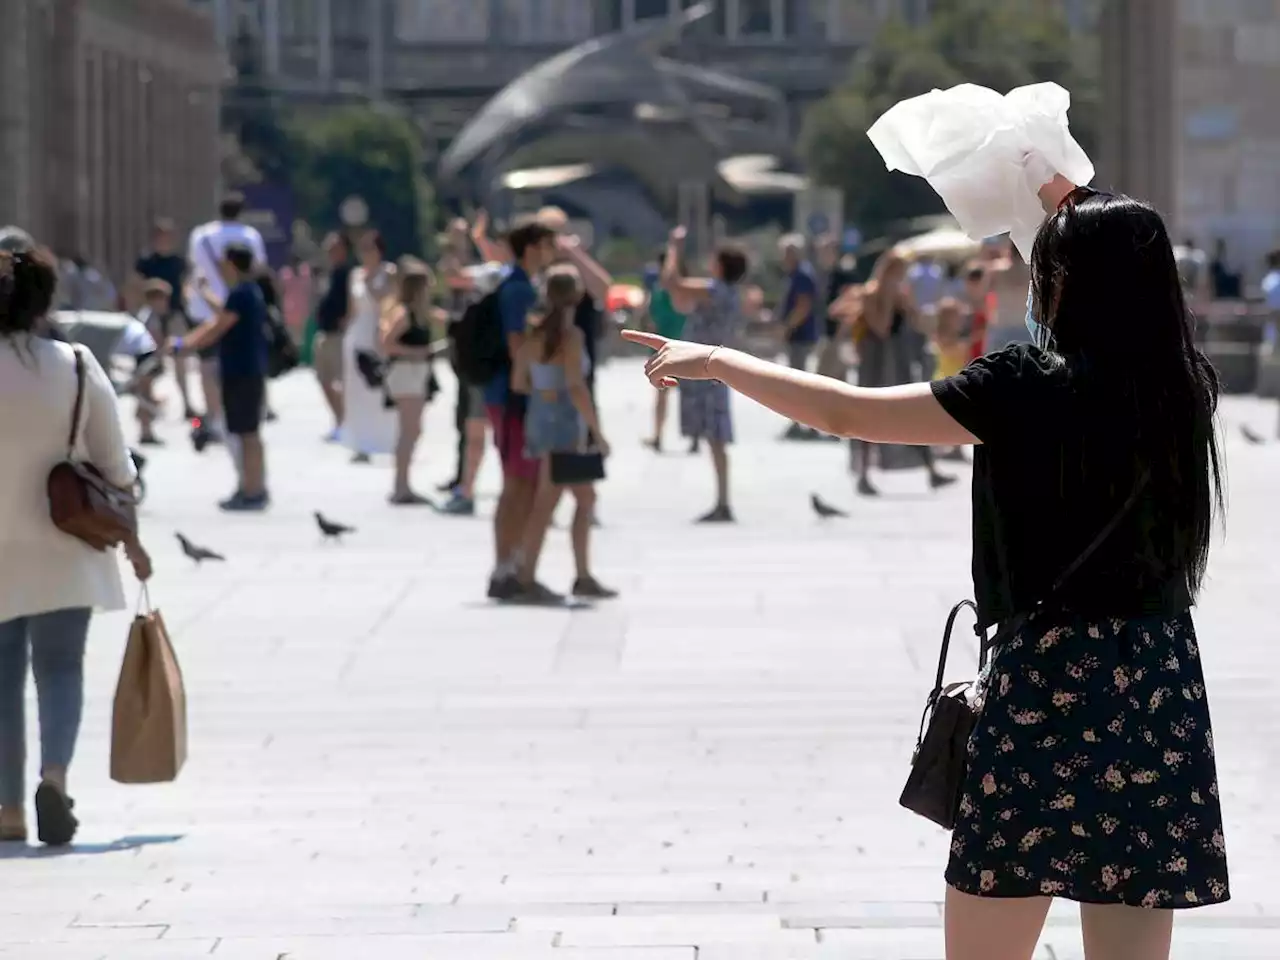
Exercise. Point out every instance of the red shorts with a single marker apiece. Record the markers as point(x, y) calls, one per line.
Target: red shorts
point(508, 434)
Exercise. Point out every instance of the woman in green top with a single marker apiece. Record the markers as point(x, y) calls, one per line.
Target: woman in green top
point(668, 322)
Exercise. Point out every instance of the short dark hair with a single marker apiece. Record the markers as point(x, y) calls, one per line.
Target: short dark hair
point(232, 206)
point(526, 236)
point(1273, 259)
point(240, 257)
point(28, 279)
point(733, 263)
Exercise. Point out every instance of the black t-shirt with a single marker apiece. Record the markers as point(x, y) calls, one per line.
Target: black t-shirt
point(169, 267)
point(242, 351)
point(335, 300)
point(1050, 474)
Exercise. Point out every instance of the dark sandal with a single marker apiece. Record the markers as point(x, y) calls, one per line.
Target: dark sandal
point(56, 825)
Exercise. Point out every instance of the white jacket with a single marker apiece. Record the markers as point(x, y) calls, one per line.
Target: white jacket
point(41, 568)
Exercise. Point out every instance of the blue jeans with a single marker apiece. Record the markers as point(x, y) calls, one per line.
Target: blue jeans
point(56, 644)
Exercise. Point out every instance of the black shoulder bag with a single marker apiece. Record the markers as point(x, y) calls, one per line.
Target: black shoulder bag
point(941, 762)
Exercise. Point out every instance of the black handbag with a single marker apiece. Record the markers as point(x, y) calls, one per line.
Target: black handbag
point(941, 759)
point(372, 368)
point(569, 469)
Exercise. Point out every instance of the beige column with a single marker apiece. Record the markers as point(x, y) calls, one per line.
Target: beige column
point(1139, 151)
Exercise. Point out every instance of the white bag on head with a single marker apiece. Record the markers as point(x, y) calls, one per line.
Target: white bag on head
point(985, 154)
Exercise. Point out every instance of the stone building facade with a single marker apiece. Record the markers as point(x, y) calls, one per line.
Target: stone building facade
point(1191, 118)
point(110, 111)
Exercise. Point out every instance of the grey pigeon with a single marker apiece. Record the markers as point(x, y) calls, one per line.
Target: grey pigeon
point(198, 554)
point(330, 530)
point(824, 509)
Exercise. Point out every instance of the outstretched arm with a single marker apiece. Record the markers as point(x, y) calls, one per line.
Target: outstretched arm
point(907, 414)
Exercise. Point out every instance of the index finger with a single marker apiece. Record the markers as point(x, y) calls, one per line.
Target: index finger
point(650, 340)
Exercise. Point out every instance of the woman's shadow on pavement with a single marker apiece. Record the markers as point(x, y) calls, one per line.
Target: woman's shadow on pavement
point(26, 851)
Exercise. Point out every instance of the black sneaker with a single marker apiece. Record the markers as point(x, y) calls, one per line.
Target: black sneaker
point(589, 588)
point(536, 595)
point(505, 587)
point(795, 432)
point(239, 503)
point(866, 489)
point(939, 480)
point(56, 825)
point(720, 514)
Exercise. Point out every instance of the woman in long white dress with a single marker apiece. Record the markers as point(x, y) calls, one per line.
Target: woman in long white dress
point(368, 425)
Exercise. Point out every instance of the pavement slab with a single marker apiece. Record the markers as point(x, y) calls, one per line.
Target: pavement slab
point(382, 763)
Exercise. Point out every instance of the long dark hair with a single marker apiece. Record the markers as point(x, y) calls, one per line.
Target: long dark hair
point(1105, 287)
point(564, 293)
point(28, 280)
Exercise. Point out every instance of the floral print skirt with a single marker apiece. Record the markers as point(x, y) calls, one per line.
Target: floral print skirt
point(1091, 770)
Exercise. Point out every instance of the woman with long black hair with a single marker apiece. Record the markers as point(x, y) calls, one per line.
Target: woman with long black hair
point(1091, 772)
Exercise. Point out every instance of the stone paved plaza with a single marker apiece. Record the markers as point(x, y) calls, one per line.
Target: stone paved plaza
point(383, 765)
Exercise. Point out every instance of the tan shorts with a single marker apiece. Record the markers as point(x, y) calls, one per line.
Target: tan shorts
point(326, 357)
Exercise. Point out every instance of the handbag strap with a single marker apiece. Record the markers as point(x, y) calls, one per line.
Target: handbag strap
point(74, 435)
point(1016, 623)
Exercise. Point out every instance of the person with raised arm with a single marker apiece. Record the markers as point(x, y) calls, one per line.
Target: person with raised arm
point(1090, 767)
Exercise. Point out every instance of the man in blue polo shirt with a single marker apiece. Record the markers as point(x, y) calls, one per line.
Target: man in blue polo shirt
point(799, 315)
point(533, 247)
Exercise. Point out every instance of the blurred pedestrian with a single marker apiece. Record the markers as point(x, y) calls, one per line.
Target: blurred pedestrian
point(238, 331)
point(406, 340)
point(333, 311)
point(368, 427)
point(667, 321)
point(713, 315)
point(798, 315)
point(163, 262)
point(889, 324)
point(206, 251)
point(562, 432)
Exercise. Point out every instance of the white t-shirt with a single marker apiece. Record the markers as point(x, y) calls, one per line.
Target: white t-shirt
point(205, 249)
point(136, 340)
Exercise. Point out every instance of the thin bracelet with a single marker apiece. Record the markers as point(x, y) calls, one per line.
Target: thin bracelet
point(706, 366)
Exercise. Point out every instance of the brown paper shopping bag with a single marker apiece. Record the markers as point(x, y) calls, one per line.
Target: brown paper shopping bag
point(149, 720)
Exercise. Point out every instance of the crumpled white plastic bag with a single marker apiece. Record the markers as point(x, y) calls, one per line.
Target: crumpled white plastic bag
point(985, 154)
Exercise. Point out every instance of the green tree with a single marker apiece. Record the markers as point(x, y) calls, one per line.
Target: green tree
point(996, 43)
point(373, 153)
point(251, 113)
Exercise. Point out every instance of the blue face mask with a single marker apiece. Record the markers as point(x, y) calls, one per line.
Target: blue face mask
point(1038, 333)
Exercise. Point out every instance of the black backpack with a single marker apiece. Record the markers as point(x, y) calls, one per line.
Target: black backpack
point(283, 354)
point(480, 348)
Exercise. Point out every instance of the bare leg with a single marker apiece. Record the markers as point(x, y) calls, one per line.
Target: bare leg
point(212, 387)
point(409, 413)
point(253, 459)
point(720, 461)
point(473, 454)
point(514, 506)
point(659, 418)
point(585, 495)
point(1117, 932)
point(181, 370)
point(545, 502)
point(981, 928)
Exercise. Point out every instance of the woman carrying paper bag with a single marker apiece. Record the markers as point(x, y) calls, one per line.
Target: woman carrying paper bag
point(50, 581)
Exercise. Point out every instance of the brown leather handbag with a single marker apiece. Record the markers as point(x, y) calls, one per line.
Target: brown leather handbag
point(941, 759)
point(82, 502)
